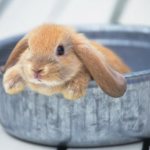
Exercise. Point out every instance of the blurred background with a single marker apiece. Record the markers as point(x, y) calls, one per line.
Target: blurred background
point(19, 16)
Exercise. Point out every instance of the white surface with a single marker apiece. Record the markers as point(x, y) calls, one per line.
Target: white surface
point(7, 142)
point(136, 12)
point(21, 16)
point(87, 12)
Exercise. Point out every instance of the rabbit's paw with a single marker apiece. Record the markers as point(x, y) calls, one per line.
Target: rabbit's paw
point(13, 83)
point(73, 93)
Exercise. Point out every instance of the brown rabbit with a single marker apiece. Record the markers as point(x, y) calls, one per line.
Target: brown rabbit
point(55, 59)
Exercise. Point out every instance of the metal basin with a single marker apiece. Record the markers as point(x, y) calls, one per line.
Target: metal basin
point(93, 120)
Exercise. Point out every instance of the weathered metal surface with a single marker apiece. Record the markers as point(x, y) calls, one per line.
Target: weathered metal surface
point(93, 120)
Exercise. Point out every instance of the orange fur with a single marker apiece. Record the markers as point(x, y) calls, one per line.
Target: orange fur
point(68, 74)
point(112, 58)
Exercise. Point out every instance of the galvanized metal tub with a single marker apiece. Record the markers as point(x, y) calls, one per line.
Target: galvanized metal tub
point(93, 120)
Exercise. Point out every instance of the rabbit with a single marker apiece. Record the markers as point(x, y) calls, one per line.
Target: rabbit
point(54, 58)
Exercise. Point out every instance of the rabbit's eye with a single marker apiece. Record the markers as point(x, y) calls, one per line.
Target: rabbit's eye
point(60, 50)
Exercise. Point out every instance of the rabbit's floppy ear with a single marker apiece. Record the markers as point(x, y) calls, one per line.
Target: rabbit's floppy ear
point(112, 82)
point(20, 47)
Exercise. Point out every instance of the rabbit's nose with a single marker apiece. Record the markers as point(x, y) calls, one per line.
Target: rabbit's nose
point(37, 73)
